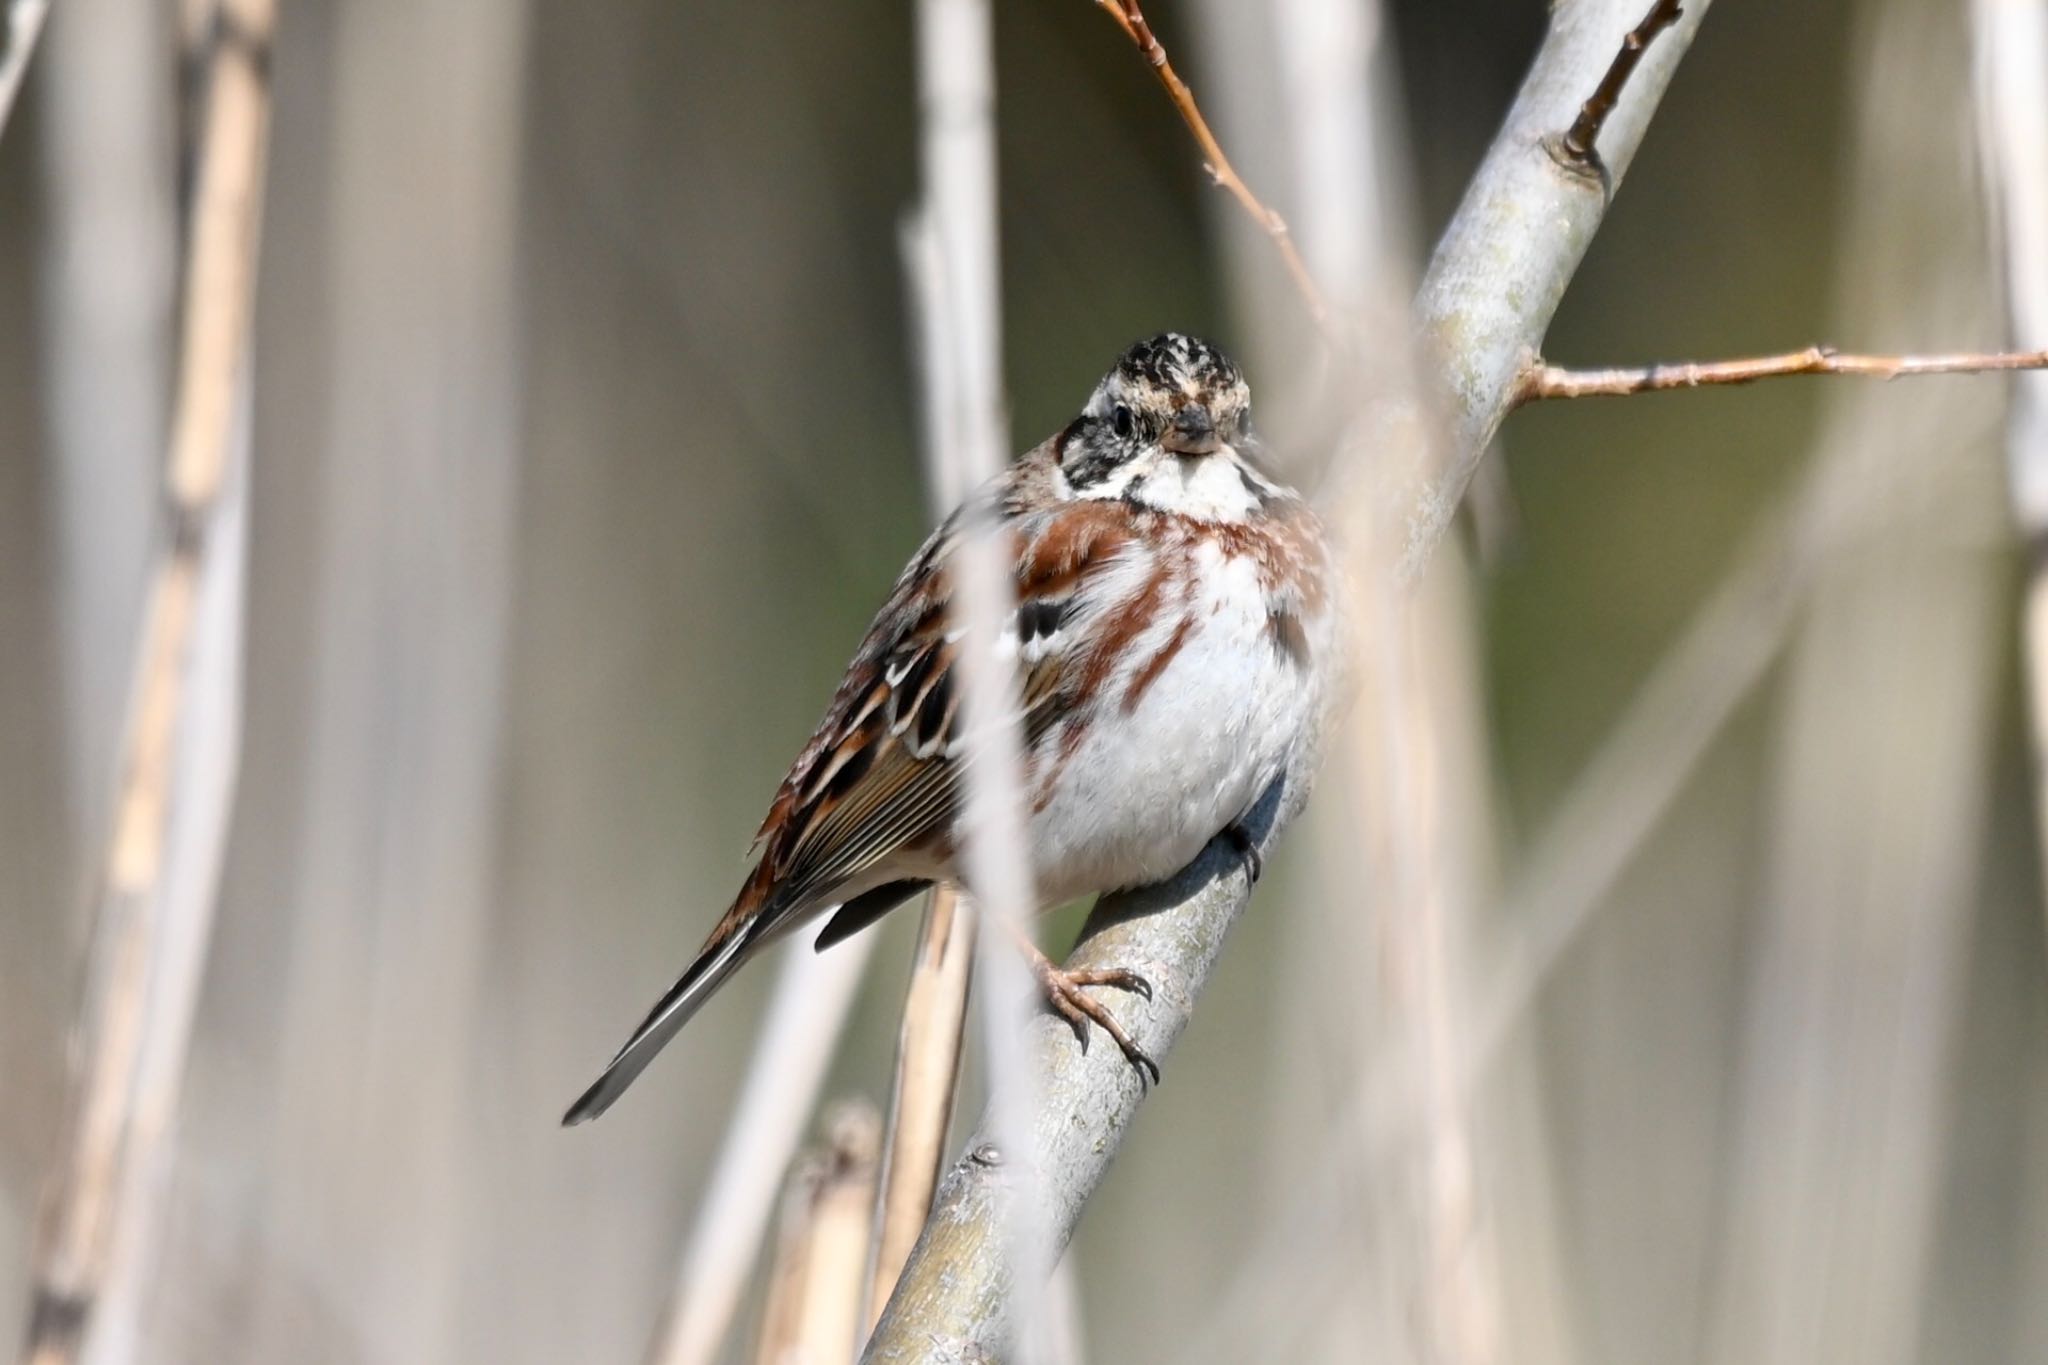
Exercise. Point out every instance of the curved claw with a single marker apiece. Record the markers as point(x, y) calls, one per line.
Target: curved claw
point(1064, 994)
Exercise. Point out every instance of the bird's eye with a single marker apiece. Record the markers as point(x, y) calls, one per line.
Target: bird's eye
point(1123, 422)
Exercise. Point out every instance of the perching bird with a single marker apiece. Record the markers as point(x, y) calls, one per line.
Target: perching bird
point(1172, 635)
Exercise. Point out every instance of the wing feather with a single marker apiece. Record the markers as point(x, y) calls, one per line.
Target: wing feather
point(879, 776)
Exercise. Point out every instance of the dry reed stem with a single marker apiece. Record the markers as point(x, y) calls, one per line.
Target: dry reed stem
point(1543, 381)
point(921, 1102)
point(23, 26)
point(136, 946)
point(952, 251)
point(1833, 1196)
point(813, 1312)
point(806, 1014)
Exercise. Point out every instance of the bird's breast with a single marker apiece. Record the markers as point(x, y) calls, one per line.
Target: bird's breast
point(1196, 702)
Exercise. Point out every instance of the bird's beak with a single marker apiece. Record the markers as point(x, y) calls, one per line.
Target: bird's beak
point(1192, 433)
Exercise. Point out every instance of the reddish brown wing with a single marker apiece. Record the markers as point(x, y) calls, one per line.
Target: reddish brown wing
point(880, 775)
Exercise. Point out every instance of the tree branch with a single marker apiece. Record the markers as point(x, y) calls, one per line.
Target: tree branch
point(1542, 381)
point(1496, 280)
point(1580, 141)
point(1501, 267)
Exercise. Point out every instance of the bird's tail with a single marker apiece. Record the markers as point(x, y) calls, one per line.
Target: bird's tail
point(718, 959)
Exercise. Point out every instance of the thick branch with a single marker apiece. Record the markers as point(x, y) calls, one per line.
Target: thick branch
point(1502, 266)
point(954, 1300)
point(1496, 280)
point(1541, 381)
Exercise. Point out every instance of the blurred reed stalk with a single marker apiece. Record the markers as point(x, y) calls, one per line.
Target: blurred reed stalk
point(806, 1015)
point(951, 252)
point(921, 1100)
point(2011, 74)
point(813, 1311)
point(950, 265)
point(1402, 833)
point(108, 108)
point(159, 876)
point(1872, 851)
point(22, 26)
point(1490, 293)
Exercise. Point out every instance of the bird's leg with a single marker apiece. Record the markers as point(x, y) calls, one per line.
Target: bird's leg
point(1247, 848)
point(1064, 995)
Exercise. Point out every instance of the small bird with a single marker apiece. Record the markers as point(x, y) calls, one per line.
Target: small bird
point(1172, 638)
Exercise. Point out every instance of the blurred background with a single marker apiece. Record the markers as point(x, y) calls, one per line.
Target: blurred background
point(583, 443)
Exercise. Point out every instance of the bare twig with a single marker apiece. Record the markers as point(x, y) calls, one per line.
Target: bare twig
point(927, 1069)
point(1542, 381)
point(814, 1297)
point(1131, 18)
point(157, 881)
point(813, 993)
point(23, 25)
point(1580, 141)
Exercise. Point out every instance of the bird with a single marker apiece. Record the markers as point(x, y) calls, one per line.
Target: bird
point(1173, 643)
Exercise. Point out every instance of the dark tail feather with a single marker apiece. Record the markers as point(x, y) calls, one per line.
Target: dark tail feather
point(670, 1013)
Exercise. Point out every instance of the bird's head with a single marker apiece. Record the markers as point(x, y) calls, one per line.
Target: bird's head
point(1169, 427)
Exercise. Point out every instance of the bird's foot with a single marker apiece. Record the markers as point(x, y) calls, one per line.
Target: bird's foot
point(1065, 996)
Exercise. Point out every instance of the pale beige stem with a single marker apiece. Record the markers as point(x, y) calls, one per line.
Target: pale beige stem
point(921, 1104)
point(156, 892)
point(813, 1312)
point(1834, 1195)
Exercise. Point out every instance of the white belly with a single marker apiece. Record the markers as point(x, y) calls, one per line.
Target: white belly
point(1143, 791)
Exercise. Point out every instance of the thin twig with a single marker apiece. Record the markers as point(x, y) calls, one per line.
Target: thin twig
point(1542, 381)
point(1580, 142)
point(155, 897)
point(23, 25)
point(1131, 18)
point(927, 1070)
